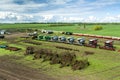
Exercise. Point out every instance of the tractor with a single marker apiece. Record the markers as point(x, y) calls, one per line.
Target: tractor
point(55, 38)
point(3, 46)
point(40, 37)
point(108, 45)
point(71, 40)
point(62, 39)
point(47, 38)
point(2, 36)
point(68, 33)
point(92, 43)
point(81, 41)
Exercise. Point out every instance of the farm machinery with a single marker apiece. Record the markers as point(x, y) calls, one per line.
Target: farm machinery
point(32, 35)
point(2, 36)
point(55, 38)
point(68, 33)
point(40, 37)
point(92, 43)
point(47, 38)
point(81, 41)
point(3, 46)
point(71, 40)
point(108, 45)
point(9, 48)
point(62, 39)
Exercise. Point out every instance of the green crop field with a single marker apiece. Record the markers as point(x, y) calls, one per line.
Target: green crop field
point(104, 64)
point(108, 29)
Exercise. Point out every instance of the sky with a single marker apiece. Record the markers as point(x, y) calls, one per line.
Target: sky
point(18, 11)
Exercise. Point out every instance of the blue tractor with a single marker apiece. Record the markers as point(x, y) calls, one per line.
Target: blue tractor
point(62, 39)
point(55, 38)
point(81, 41)
point(71, 40)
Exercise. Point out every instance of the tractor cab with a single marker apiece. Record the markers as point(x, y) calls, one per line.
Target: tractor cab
point(55, 38)
point(93, 42)
point(109, 44)
point(81, 41)
point(71, 40)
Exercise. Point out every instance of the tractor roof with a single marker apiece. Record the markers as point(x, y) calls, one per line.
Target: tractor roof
point(80, 38)
point(70, 37)
point(54, 36)
point(62, 37)
point(93, 39)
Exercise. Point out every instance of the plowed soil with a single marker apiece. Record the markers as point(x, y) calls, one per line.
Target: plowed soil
point(10, 70)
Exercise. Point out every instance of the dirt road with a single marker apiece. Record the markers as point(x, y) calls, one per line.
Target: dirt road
point(10, 70)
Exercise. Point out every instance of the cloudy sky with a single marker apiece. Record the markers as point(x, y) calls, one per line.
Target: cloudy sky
point(12, 11)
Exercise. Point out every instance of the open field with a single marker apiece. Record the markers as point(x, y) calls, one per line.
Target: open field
point(104, 64)
point(108, 29)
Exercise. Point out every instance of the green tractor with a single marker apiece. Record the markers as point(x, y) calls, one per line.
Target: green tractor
point(40, 37)
point(3, 46)
point(47, 38)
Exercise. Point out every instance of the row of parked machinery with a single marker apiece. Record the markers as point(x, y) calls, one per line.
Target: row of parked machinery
point(108, 45)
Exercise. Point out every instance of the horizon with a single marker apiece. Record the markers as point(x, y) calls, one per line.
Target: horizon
point(66, 11)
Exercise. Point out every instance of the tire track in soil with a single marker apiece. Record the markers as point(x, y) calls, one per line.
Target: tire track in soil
point(113, 77)
point(110, 69)
point(16, 71)
point(116, 69)
point(12, 76)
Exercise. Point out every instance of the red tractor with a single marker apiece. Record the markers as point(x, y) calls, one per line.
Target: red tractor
point(92, 43)
point(108, 45)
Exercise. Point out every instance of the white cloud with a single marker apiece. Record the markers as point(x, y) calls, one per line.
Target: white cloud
point(59, 11)
point(16, 17)
point(47, 17)
point(102, 3)
point(91, 19)
point(8, 5)
point(111, 19)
